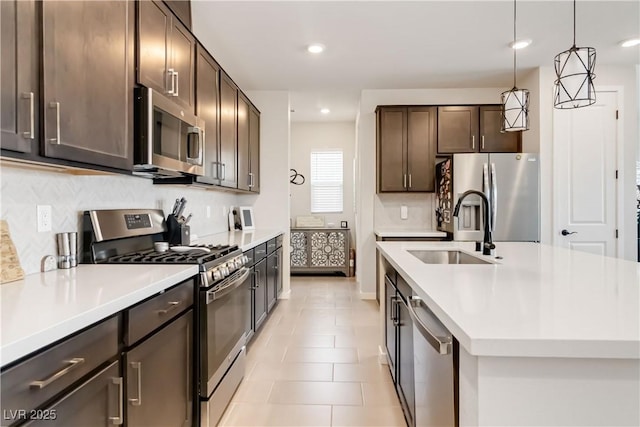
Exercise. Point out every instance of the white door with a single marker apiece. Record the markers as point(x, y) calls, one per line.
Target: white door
point(584, 176)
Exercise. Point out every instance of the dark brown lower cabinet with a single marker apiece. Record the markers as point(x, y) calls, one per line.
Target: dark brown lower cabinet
point(159, 375)
point(279, 272)
point(272, 280)
point(259, 297)
point(96, 402)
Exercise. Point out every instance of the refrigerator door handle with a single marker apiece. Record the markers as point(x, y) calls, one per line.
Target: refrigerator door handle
point(494, 196)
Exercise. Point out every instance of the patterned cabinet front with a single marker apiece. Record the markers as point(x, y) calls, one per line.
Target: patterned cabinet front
point(328, 249)
point(299, 255)
point(320, 250)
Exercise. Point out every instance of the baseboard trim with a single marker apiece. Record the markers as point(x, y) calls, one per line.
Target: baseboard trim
point(367, 295)
point(285, 295)
point(382, 356)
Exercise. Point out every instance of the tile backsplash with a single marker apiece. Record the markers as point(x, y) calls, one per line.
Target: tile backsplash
point(420, 207)
point(69, 195)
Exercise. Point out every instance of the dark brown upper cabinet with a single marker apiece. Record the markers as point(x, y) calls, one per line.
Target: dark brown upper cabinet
point(491, 139)
point(474, 129)
point(166, 53)
point(208, 109)
point(19, 117)
point(182, 9)
point(254, 149)
point(228, 131)
point(406, 138)
point(248, 145)
point(458, 130)
point(88, 80)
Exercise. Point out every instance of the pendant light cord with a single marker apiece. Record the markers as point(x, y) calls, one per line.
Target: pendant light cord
point(574, 23)
point(514, 42)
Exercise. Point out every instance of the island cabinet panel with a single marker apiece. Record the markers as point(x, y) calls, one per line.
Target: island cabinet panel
point(458, 129)
point(19, 117)
point(406, 140)
point(228, 131)
point(166, 53)
point(88, 81)
point(492, 140)
point(208, 109)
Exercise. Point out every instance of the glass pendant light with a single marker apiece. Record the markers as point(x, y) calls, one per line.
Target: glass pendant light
point(515, 102)
point(574, 71)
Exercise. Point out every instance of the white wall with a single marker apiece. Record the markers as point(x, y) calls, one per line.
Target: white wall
point(606, 77)
point(271, 206)
point(318, 136)
point(69, 195)
point(371, 209)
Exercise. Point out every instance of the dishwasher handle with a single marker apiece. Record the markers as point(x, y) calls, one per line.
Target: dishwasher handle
point(441, 344)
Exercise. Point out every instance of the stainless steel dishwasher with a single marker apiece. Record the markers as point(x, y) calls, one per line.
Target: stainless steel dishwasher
point(435, 368)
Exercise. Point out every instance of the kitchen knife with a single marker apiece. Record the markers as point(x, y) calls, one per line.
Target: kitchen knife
point(175, 207)
point(186, 221)
point(181, 206)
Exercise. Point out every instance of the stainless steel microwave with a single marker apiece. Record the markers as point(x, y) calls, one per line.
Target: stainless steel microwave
point(169, 140)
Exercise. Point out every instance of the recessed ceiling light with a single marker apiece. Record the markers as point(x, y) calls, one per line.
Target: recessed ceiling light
point(520, 44)
point(630, 43)
point(325, 111)
point(315, 48)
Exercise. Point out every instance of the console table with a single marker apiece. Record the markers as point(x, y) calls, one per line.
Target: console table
point(320, 250)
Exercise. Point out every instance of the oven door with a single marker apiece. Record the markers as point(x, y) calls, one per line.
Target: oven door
point(223, 309)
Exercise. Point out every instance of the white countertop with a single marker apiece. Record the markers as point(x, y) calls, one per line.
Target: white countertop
point(539, 301)
point(43, 308)
point(410, 233)
point(244, 239)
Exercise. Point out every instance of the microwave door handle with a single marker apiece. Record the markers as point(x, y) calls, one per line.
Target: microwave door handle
point(198, 133)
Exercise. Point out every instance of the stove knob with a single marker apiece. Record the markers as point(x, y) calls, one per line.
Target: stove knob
point(245, 259)
point(217, 274)
point(231, 265)
point(224, 270)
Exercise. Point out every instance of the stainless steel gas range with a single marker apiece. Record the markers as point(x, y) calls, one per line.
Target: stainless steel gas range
point(223, 294)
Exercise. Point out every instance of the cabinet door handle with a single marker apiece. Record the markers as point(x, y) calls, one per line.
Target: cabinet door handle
point(138, 400)
point(170, 75)
point(483, 142)
point(473, 142)
point(172, 306)
point(56, 105)
point(30, 134)
point(177, 81)
point(409, 180)
point(118, 420)
point(224, 171)
point(72, 364)
point(404, 181)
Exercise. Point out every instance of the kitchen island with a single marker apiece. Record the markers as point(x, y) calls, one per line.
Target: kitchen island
point(547, 336)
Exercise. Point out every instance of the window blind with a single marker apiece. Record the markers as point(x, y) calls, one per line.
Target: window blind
point(326, 181)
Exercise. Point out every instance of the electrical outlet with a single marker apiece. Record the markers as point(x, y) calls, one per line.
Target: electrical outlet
point(44, 218)
point(208, 211)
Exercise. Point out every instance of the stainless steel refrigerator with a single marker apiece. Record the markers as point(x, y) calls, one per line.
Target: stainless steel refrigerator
point(510, 182)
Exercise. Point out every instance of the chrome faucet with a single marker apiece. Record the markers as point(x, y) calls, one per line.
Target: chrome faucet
point(487, 244)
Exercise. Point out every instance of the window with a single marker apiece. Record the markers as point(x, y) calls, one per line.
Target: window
point(326, 182)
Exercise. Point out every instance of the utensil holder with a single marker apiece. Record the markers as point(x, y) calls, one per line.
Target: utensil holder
point(178, 233)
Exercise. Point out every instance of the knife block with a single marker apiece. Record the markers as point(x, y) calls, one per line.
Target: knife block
point(177, 233)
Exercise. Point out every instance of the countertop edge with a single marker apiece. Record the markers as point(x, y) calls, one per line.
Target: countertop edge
point(407, 233)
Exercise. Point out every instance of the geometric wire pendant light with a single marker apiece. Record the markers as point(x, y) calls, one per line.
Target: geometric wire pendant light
point(515, 102)
point(575, 74)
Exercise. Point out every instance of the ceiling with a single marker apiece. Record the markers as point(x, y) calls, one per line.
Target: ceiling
point(399, 45)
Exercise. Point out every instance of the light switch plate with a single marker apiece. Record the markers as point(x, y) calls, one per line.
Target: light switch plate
point(404, 212)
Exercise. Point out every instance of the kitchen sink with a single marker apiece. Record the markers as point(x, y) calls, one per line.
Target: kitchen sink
point(447, 257)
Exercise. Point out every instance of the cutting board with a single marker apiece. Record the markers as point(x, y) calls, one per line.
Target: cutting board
point(10, 269)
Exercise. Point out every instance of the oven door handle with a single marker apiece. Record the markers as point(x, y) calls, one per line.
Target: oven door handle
point(215, 294)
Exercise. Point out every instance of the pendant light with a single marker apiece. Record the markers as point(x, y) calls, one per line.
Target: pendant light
point(574, 71)
point(515, 102)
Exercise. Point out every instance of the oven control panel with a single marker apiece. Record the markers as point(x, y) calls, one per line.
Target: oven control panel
point(136, 221)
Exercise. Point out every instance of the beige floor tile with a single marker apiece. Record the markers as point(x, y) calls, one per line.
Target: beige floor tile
point(277, 415)
point(321, 355)
point(253, 392)
point(316, 393)
point(324, 329)
point(302, 340)
point(365, 416)
point(291, 372)
point(380, 394)
point(266, 354)
point(361, 372)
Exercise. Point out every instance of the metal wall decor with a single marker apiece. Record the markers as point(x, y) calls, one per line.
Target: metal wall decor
point(515, 102)
point(295, 177)
point(575, 74)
